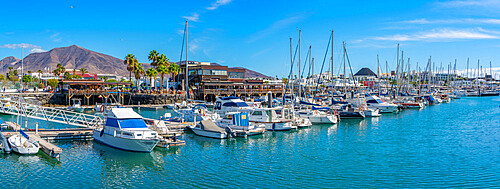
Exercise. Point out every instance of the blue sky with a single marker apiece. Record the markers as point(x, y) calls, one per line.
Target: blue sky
point(255, 34)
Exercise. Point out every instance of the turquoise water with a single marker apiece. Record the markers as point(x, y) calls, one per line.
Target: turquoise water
point(446, 145)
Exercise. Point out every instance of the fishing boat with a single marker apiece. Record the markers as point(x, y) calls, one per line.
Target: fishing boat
point(207, 128)
point(375, 102)
point(22, 144)
point(125, 129)
point(269, 118)
point(239, 123)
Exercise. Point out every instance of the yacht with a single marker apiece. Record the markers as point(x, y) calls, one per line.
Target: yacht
point(269, 118)
point(22, 144)
point(125, 129)
point(239, 122)
point(318, 117)
point(375, 102)
point(231, 104)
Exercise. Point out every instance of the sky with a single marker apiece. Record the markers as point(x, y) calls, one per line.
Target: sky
point(256, 34)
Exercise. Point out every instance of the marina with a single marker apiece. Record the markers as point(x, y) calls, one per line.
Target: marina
point(246, 94)
point(400, 148)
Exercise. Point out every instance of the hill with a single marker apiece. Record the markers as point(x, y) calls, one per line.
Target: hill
point(72, 57)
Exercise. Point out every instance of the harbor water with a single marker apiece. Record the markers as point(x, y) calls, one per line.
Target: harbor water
point(454, 144)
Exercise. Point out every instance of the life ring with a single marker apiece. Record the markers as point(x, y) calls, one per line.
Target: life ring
point(102, 108)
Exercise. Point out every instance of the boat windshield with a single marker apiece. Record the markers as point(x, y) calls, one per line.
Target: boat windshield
point(236, 104)
point(126, 123)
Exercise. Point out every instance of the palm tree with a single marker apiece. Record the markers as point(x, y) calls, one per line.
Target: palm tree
point(39, 73)
point(174, 69)
point(61, 68)
point(130, 61)
point(138, 70)
point(162, 68)
point(10, 69)
point(83, 70)
point(153, 56)
point(151, 73)
point(57, 72)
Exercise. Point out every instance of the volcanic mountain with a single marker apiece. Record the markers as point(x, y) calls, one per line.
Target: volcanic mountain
point(72, 57)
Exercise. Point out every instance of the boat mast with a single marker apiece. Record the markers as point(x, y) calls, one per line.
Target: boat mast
point(290, 77)
point(331, 73)
point(187, 69)
point(345, 85)
point(300, 77)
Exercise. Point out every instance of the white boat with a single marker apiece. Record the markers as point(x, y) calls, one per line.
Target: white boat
point(77, 105)
point(125, 129)
point(318, 117)
point(207, 128)
point(268, 117)
point(372, 112)
point(197, 113)
point(297, 121)
point(375, 102)
point(239, 122)
point(21, 144)
point(231, 104)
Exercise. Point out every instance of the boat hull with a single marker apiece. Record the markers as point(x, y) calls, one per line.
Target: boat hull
point(327, 119)
point(134, 145)
point(209, 134)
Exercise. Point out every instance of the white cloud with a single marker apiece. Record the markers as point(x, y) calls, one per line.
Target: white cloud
point(439, 35)
point(455, 21)
point(55, 37)
point(275, 27)
point(195, 17)
point(20, 45)
point(37, 50)
point(218, 3)
point(469, 3)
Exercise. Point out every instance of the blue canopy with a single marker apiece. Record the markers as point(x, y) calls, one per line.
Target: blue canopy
point(308, 103)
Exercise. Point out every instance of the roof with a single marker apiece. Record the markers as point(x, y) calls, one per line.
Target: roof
point(209, 125)
point(365, 72)
point(125, 113)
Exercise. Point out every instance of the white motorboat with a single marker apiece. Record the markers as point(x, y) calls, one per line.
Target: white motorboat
point(375, 102)
point(268, 117)
point(239, 122)
point(207, 128)
point(372, 112)
point(77, 105)
point(197, 113)
point(318, 117)
point(125, 129)
point(231, 104)
point(21, 144)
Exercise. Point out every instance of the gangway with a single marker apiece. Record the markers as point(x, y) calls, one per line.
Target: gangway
point(33, 109)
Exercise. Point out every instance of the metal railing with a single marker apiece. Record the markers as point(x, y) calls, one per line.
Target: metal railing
point(33, 109)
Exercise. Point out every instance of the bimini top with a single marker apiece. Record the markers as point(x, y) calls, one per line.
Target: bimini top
point(123, 113)
point(125, 118)
point(229, 98)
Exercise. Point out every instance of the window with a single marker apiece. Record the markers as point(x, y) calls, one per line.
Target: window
point(207, 72)
point(131, 123)
point(236, 75)
point(193, 72)
point(236, 104)
point(257, 113)
point(219, 72)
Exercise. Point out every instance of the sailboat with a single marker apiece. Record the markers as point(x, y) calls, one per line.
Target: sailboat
point(22, 144)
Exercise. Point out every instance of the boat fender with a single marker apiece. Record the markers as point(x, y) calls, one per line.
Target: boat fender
point(335, 112)
point(102, 132)
point(102, 108)
point(274, 126)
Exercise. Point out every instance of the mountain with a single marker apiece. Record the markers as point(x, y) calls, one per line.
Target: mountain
point(9, 60)
point(72, 57)
point(248, 73)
